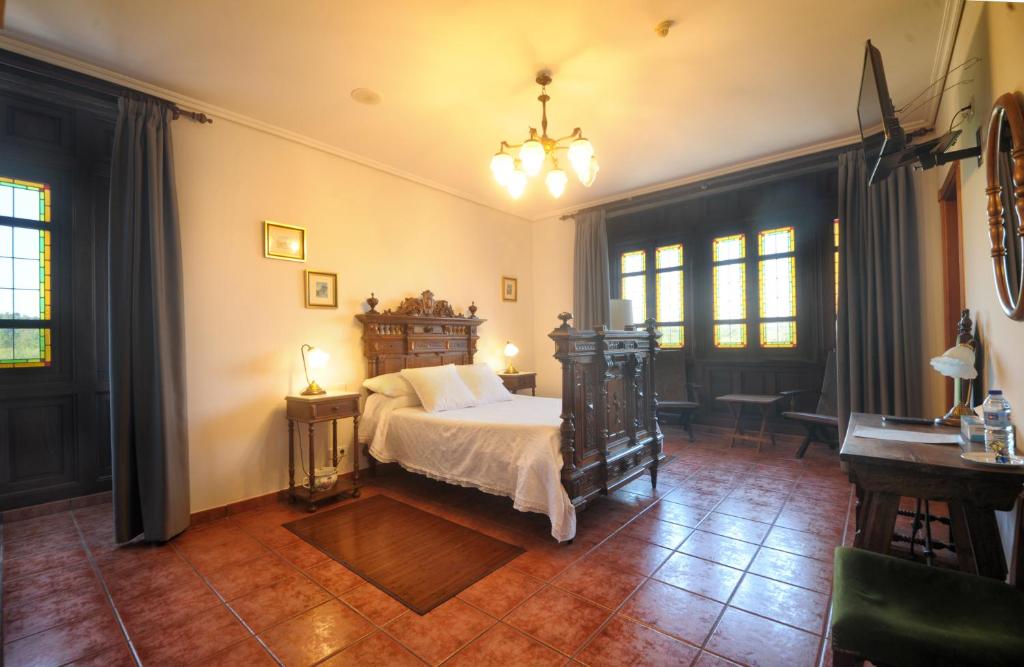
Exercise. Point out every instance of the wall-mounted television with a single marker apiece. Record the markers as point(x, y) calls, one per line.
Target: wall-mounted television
point(886, 146)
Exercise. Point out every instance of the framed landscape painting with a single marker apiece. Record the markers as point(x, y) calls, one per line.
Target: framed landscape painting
point(284, 241)
point(321, 289)
point(509, 289)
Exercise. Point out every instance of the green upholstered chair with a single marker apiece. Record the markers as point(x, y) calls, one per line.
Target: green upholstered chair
point(900, 613)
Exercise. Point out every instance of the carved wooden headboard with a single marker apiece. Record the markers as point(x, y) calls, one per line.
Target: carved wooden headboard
point(422, 331)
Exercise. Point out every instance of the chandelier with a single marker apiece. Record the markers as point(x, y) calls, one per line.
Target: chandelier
point(541, 151)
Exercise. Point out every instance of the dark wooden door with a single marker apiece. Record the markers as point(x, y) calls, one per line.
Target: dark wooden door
point(54, 417)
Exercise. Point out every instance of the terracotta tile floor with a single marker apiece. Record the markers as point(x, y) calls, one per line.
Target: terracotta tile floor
point(728, 562)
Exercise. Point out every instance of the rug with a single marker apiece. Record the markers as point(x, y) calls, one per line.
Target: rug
point(416, 557)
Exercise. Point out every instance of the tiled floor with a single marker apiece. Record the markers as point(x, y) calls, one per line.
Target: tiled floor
point(728, 562)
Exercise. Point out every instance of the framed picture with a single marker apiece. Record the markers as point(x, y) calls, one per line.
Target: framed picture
point(509, 289)
point(284, 241)
point(321, 289)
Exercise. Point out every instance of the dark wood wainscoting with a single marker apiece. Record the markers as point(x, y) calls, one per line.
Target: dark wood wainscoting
point(54, 421)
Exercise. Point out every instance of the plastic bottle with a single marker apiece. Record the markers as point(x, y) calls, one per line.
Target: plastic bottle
point(998, 431)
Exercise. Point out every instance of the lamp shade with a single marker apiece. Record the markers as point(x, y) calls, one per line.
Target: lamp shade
point(317, 358)
point(532, 155)
point(556, 180)
point(510, 349)
point(516, 183)
point(502, 165)
point(956, 362)
point(620, 313)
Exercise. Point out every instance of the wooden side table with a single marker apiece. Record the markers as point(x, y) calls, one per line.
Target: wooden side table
point(312, 410)
point(764, 402)
point(515, 382)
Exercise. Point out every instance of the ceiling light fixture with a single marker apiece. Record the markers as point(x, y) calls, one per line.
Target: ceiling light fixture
point(512, 170)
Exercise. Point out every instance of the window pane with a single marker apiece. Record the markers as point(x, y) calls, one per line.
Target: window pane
point(24, 199)
point(670, 296)
point(671, 336)
point(775, 241)
point(24, 347)
point(777, 281)
point(729, 247)
point(669, 256)
point(778, 334)
point(634, 261)
point(730, 335)
point(6, 241)
point(26, 243)
point(26, 304)
point(634, 288)
point(730, 292)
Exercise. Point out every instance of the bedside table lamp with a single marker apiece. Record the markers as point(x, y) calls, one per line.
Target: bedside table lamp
point(315, 358)
point(958, 363)
point(510, 351)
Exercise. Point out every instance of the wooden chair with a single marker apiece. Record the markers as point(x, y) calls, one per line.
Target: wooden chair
point(677, 398)
point(904, 614)
point(822, 425)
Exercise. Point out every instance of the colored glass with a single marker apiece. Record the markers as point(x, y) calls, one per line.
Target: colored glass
point(25, 273)
point(776, 285)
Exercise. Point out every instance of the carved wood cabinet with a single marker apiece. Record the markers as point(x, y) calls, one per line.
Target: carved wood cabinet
point(609, 434)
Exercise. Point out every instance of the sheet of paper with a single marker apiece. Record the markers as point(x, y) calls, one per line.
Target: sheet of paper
point(907, 436)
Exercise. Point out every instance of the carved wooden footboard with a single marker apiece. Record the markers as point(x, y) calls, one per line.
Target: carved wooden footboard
point(610, 431)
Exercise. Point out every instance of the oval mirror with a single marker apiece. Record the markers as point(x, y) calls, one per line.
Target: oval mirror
point(1004, 171)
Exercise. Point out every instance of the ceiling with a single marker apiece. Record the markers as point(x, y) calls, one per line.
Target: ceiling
point(735, 80)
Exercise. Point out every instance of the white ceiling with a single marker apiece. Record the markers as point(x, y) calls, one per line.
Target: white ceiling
point(735, 80)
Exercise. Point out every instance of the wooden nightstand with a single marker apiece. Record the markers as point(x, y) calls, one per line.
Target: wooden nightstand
point(516, 382)
point(313, 410)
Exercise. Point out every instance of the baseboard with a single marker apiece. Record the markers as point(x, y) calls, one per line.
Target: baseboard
point(55, 507)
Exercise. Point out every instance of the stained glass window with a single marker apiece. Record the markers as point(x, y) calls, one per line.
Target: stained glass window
point(776, 277)
point(729, 285)
point(835, 261)
point(25, 274)
point(669, 294)
point(634, 282)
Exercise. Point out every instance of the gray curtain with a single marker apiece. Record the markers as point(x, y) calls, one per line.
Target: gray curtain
point(878, 332)
point(149, 424)
point(591, 293)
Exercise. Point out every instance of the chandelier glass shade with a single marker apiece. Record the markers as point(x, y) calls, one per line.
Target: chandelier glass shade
point(513, 164)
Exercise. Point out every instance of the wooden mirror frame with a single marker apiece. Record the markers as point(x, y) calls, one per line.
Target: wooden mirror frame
point(1006, 106)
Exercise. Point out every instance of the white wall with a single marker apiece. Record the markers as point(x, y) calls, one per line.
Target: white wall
point(552, 274)
point(992, 32)
point(245, 315)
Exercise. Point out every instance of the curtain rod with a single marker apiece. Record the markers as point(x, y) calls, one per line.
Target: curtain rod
point(91, 84)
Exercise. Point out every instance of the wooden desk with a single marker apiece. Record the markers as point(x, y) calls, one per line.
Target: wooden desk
point(764, 402)
point(885, 470)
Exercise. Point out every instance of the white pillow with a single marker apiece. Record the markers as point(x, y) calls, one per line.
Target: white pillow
point(389, 384)
point(439, 388)
point(485, 384)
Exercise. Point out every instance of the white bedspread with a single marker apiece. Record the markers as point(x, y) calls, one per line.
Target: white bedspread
point(509, 448)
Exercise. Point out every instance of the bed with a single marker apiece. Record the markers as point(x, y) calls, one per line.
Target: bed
point(550, 455)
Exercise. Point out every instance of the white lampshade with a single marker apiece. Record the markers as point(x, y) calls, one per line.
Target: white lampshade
point(956, 362)
point(580, 152)
point(510, 349)
point(516, 183)
point(620, 313)
point(317, 358)
point(556, 180)
point(591, 173)
point(532, 155)
point(502, 165)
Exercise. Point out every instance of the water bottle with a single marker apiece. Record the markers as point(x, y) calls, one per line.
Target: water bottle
point(998, 431)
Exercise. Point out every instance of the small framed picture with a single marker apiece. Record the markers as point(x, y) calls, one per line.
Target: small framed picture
point(509, 289)
point(321, 289)
point(284, 241)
